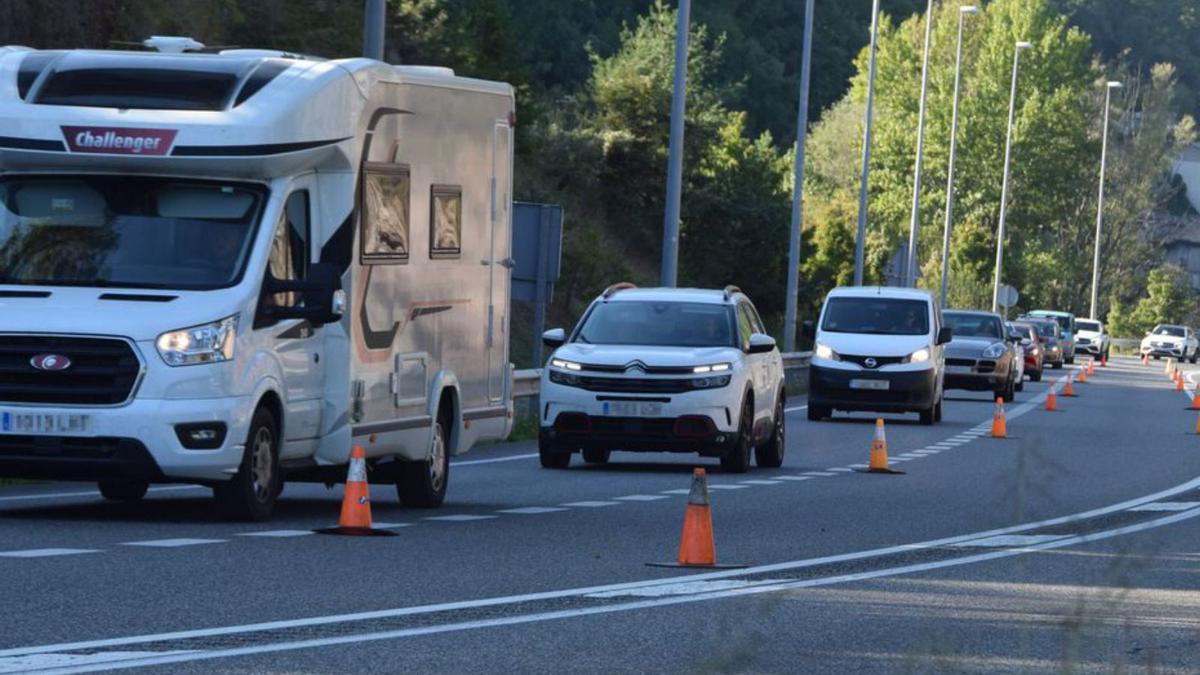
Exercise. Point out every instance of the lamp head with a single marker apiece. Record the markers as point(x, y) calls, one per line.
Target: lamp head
point(1024, 45)
point(968, 9)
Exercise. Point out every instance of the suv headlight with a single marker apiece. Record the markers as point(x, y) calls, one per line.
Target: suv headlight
point(714, 368)
point(711, 382)
point(565, 365)
point(995, 350)
point(209, 343)
point(920, 356)
point(826, 352)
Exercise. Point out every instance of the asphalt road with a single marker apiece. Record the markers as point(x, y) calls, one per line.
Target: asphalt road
point(1071, 545)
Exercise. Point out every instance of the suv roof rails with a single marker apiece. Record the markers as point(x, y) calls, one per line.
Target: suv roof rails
point(730, 290)
point(616, 288)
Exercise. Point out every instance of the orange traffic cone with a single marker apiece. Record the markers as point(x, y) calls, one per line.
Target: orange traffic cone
point(1195, 400)
point(1068, 388)
point(1179, 383)
point(356, 502)
point(1198, 424)
point(1051, 401)
point(878, 461)
point(1083, 375)
point(999, 425)
point(1091, 367)
point(1145, 359)
point(696, 545)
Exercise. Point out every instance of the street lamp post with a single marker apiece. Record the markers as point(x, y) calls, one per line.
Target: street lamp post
point(866, 157)
point(914, 227)
point(670, 252)
point(1100, 202)
point(1012, 109)
point(963, 12)
point(789, 323)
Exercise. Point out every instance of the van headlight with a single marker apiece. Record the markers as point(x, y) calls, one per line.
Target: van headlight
point(995, 350)
point(210, 343)
point(823, 351)
point(920, 356)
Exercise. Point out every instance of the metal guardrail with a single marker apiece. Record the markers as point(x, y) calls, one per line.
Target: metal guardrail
point(526, 382)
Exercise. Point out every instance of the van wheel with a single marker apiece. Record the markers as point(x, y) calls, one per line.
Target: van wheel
point(252, 492)
point(551, 455)
point(770, 454)
point(737, 460)
point(423, 484)
point(123, 490)
point(595, 456)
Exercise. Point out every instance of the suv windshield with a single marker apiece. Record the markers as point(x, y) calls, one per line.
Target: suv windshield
point(876, 316)
point(125, 231)
point(1025, 330)
point(974, 325)
point(659, 324)
point(1092, 326)
point(1173, 331)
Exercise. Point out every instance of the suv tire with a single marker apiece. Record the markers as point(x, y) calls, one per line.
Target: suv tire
point(737, 460)
point(769, 455)
point(551, 455)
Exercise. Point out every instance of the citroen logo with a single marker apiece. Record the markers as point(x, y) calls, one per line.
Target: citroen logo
point(636, 366)
point(50, 362)
point(870, 362)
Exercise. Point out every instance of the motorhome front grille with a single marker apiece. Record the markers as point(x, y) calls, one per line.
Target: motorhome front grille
point(99, 371)
point(635, 385)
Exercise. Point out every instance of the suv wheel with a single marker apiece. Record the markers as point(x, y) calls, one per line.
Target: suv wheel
point(937, 411)
point(1009, 391)
point(737, 460)
point(596, 456)
point(770, 454)
point(551, 455)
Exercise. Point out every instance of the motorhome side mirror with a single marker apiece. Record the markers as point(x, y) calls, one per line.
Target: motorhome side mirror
point(760, 344)
point(554, 338)
point(324, 299)
point(945, 335)
point(808, 329)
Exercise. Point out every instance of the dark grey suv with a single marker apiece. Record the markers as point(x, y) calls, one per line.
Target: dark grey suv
point(979, 357)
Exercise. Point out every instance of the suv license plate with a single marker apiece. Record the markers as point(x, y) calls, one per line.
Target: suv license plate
point(877, 385)
point(34, 423)
point(632, 409)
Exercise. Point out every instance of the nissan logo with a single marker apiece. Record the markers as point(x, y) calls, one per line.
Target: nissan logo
point(870, 362)
point(50, 362)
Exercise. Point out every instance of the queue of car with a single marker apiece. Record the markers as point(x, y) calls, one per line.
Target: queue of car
point(693, 370)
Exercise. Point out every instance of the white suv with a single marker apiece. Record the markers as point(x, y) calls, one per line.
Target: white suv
point(664, 369)
point(1090, 337)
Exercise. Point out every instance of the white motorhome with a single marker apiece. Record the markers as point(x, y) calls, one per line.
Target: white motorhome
point(228, 269)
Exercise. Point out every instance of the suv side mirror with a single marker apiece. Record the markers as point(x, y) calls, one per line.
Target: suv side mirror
point(324, 301)
point(808, 329)
point(554, 338)
point(760, 344)
point(945, 335)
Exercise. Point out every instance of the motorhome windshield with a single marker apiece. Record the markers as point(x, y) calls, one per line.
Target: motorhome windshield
point(125, 231)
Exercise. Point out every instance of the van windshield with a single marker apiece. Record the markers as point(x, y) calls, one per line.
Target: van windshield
point(876, 316)
point(125, 231)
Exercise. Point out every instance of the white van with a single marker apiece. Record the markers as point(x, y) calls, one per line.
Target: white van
point(228, 269)
point(878, 349)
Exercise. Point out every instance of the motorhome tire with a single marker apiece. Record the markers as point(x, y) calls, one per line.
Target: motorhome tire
point(123, 490)
point(251, 494)
point(423, 484)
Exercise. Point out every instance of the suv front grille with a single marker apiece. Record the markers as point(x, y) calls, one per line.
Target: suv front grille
point(638, 385)
point(103, 371)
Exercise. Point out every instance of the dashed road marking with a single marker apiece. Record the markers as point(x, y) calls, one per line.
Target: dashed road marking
point(680, 491)
point(797, 477)
point(640, 498)
point(173, 543)
point(276, 533)
point(532, 510)
point(727, 486)
point(758, 482)
point(388, 526)
point(819, 473)
point(590, 505)
point(45, 552)
point(459, 518)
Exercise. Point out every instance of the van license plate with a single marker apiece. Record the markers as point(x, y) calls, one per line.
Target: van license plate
point(632, 409)
point(876, 385)
point(34, 423)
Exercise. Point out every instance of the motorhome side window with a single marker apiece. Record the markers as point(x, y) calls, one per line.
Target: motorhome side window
point(289, 248)
point(385, 218)
point(445, 221)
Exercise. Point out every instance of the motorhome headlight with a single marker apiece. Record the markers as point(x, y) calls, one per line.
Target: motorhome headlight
point(826, 352)
point(919, 356)
point(994, 350)
point(714, 368)
point(210, 343)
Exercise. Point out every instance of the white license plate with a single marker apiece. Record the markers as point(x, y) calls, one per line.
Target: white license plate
point(876, 385)
point(958, 370)
point(37, 423)
point(632, 409)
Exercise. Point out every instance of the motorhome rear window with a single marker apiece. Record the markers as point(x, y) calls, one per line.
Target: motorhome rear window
point(876, 316)
point(139, 88)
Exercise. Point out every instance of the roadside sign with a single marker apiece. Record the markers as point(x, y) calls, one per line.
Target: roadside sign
point(1008, 296)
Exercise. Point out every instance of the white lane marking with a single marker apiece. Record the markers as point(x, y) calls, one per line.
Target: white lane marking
point(1166, 506)
point(799, 407)
point(494, 460)
point(934, 451)
point(92, 493)
point(840, 469)
point(911, 455)
point(173, 543)
point(681, 588)
point(532, 510)
point(752, 588)
point(727, 486)
point(859, 466)
point(758, 482)
point(277, 533)
point(38, 662)
point(388, 526)
point(797, 477)
point(1003, 540)
point(45, 553)
point(680, 491)
point(942, 444)
point(459, 518)
point(590, 505)
point(640, 498)
point(818, 473)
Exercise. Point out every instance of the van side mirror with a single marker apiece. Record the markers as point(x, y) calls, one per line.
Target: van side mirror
point(760, 344)
point(554, 338)
point(945, 335)
point(808, 329)
point(324, 301)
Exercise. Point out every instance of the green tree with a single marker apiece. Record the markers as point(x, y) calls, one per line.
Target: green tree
point(1168, 300)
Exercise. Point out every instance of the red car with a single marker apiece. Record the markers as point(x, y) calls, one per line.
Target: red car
point(1033, 344)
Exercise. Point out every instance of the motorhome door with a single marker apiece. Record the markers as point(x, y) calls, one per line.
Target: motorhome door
point(499, 270)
